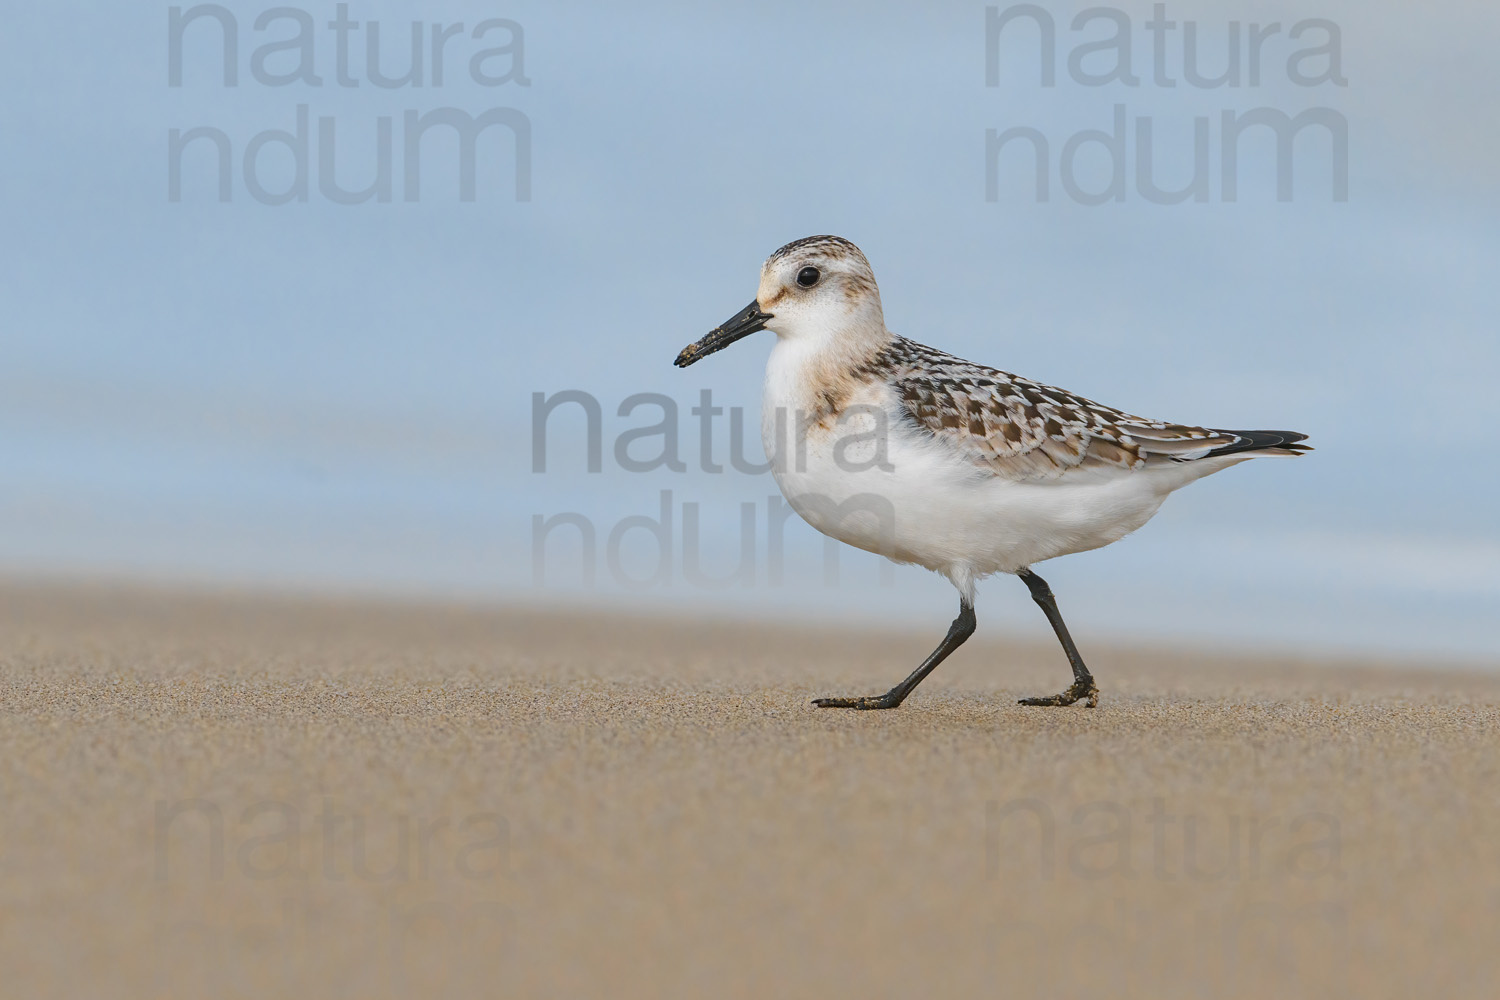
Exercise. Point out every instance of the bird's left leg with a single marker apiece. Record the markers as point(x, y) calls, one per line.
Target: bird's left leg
point(961, 629)
point(1083, 681)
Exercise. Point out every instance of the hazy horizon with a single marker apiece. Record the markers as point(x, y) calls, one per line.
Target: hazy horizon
point(317, 395)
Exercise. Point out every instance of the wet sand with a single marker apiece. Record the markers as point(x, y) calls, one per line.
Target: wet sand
point(244, 796)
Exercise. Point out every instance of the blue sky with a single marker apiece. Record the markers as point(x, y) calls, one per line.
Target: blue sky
point(323, 396)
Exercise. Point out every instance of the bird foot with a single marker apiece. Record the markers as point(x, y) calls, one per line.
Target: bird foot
point(1079, 691)
point(864, 704)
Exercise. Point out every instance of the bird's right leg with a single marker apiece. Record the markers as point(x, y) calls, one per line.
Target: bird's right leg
point(961, 629)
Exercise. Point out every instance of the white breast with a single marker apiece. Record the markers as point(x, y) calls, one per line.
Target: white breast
point(874, 480)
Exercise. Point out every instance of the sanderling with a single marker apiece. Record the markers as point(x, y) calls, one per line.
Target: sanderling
point(925, 458)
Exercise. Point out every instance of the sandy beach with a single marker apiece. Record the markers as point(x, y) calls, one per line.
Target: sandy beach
point(209, 795)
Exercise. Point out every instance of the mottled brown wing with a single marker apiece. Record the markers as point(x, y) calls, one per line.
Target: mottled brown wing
point(1025, 430)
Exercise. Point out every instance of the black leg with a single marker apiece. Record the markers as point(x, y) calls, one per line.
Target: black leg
point(961, 629)
point(1083, 681)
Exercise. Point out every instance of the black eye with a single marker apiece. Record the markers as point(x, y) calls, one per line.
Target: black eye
point(808, 276)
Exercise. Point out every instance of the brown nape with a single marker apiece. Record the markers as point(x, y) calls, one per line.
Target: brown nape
point(857, 287)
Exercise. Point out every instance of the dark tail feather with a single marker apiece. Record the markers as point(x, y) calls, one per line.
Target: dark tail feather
point(1282, 442)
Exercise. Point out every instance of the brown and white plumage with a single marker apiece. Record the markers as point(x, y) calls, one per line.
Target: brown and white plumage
point(904, 450)
point(1022, 429)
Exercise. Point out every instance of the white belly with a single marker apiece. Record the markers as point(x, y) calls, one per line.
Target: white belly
point(917, 501)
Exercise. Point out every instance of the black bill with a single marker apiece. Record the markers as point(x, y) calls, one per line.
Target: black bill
point(743, 323)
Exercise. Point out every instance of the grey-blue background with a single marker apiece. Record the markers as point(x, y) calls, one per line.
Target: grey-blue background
point(319, 396)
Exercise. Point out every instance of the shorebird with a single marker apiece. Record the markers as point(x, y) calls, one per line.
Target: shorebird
point(920, 456)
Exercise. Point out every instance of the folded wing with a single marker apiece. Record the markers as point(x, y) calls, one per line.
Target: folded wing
point(1021, 429)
